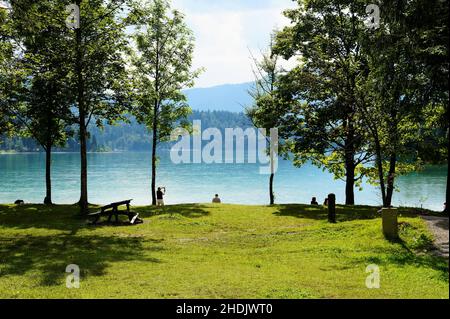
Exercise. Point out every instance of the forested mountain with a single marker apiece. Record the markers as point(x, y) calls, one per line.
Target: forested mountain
point(219, 106)
point(129, 136)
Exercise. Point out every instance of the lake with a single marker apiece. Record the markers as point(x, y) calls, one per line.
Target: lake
point(118, 176)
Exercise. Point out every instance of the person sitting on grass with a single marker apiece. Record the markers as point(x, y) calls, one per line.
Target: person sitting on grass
point(216, 199)
point(314, 201)
point(160, 196)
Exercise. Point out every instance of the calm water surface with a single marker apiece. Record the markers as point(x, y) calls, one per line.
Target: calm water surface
point(118, 176)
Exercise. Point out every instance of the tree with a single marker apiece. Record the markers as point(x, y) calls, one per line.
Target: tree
point(402, 96)
point(266, 111)
point(322, 125)
point(100, 81)
point(387, 101)
point(161, 68)
point(45, 99)
point(428, 25)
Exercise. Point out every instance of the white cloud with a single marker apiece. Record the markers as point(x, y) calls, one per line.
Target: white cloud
point(4, 5)
point(225, 36)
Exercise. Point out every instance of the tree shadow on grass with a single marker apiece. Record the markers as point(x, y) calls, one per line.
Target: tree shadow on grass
point(56, 217)
point(401, 254)
point(186, 210)
point(343, 213)
point(49, 256)
point(407, 257)
point(67, 218)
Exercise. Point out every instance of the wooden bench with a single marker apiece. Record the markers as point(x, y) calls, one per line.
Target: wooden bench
point(113, 209)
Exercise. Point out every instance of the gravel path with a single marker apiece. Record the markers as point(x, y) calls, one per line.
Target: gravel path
point(439, 227)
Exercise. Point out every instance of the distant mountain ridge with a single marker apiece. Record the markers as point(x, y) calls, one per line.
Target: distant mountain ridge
point(219, 107)
point(228, 97)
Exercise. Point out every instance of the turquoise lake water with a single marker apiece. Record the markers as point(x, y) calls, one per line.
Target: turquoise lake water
point(118, 176)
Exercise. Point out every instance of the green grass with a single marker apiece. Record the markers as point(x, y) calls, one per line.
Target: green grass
point(224, 251)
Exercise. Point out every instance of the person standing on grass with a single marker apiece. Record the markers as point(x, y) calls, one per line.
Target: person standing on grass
point(216, 199)
point(160, 196)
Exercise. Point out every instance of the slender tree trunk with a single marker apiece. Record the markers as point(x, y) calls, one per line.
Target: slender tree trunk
point(272, 175)
point(379, 163)
point(48, 180)
point(83, 172)
point(349, 149)
point(154, 144)
point(393, 132)
point(272, 196)
point(391, 179)
point(349, 168)
point(82, 122)
point(350, 182)
point(155, 124)
point(373, 129)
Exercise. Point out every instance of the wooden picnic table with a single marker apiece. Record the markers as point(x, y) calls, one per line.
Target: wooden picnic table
point(112, 209)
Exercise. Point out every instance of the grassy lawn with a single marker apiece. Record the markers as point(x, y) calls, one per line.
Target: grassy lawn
point(225, 251)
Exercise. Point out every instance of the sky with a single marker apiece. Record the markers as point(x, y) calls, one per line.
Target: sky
point(225, 31)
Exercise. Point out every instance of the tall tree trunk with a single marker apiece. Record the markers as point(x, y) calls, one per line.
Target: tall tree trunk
point(350, 167)
point(350, 181)
point(373, 129)
point(271, 194)
point(155, 123)
point(391, 179)
point(82, 122)
point(349, 149)
point(83, 172)
point(154, 144)
point(379, 163)
point(272, 175)
point(394, 137)
point(48, 180)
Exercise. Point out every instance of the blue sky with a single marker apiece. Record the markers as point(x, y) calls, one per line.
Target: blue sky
point(226, 30)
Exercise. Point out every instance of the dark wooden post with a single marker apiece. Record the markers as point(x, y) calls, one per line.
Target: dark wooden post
point(332, 208)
